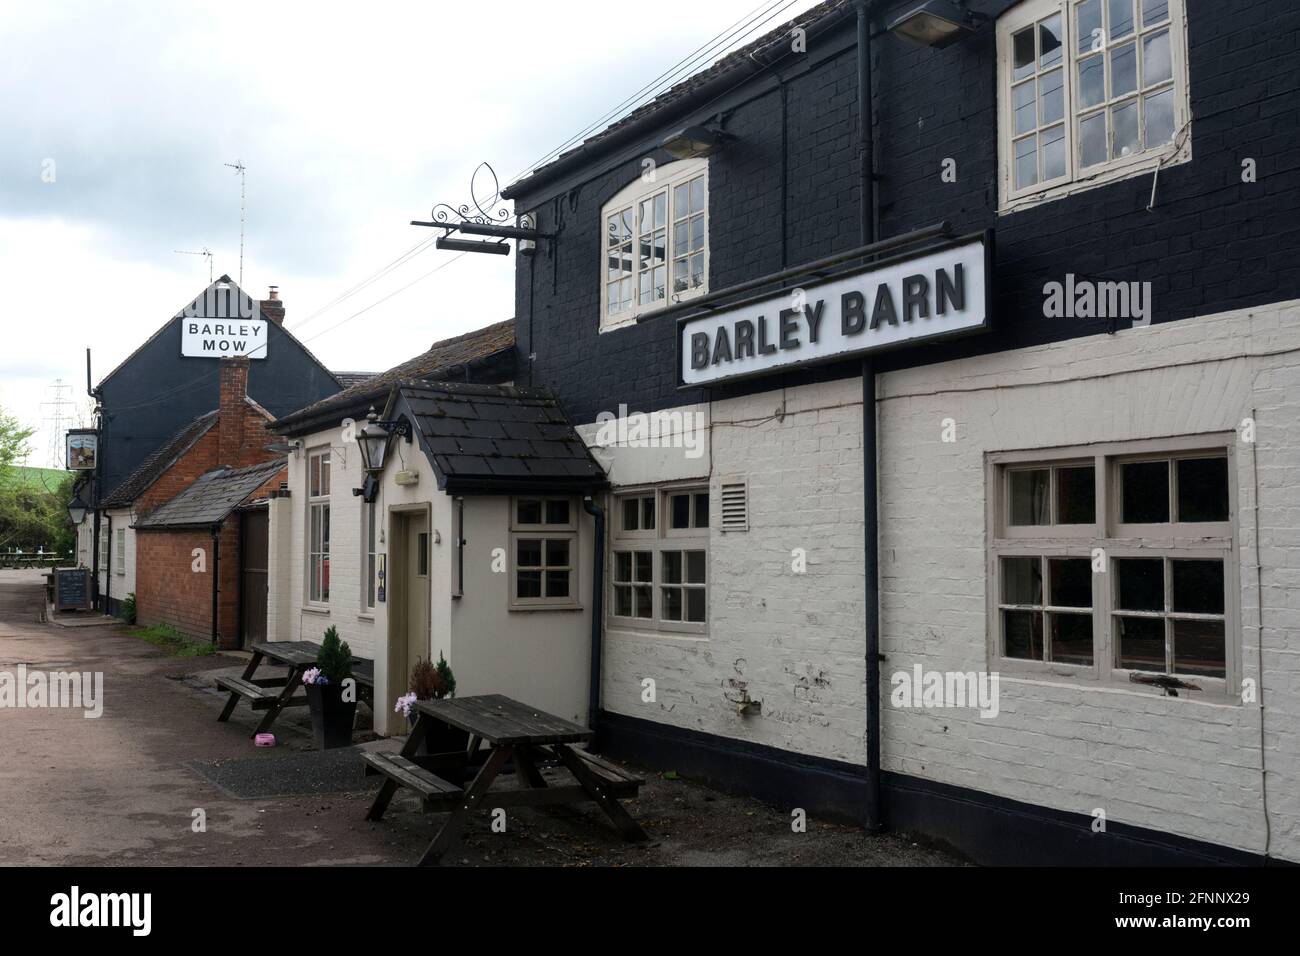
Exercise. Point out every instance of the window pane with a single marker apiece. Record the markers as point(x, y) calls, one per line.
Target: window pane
point(1029, 499)
point(661, 210)
point(1052, 143)
point(702, 509)
point(1092, 139)
point(528, 553)
point(644, 572)
point(1123, 70)
point(622, 565)
point(631, 514)
point(1051, 97)
point(671, 599)
point(622, 601)
point(1049, 42)
point(1076, 495)
point(530, 584)
point(1024, 106)
point(1156, 64)
point(1022, 54)
point(648, 514)
point(697, 234)
point(1145, 492)
point(529, 511)
point(1088, 25)
point(1153, 11)
point(1071, 582)
point(1092, 81)
point(557, 552)
point(1198, 586)
point(681, 202)
point(1202, 489)
point(1141, 583)
point(695, 567)
point(1160, 118)
point(557, 511)
point(1121, 18)
point(315, 477)
point(1022, 581)
point(611, 232)
point(422, 555)
point(642, 601)
point(557, 583)
point(1071, 638)
point(1199, 648)
point(672, 567)
point(1026, 162)
point(1141, 643)
point(680, 508)
point(697, 194)
point(695, 605)
point(1124, 130)
point(697, 271)
point(1023, 634)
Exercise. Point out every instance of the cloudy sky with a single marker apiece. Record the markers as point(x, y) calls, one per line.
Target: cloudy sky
point(118, 119)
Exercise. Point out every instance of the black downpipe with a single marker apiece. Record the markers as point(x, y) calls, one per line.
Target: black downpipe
point(597, 608)
point(871, 527)
point(108, 570)
point(216, 577)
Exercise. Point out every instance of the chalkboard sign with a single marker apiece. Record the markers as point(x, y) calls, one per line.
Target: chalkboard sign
point(72, 589)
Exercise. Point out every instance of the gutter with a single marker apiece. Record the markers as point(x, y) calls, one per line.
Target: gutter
point(597, 609)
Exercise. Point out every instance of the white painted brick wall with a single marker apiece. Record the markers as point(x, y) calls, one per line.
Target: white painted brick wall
point(1182, 765)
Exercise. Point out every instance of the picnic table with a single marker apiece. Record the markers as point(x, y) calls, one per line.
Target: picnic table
point(445, 762)
point(274, 694)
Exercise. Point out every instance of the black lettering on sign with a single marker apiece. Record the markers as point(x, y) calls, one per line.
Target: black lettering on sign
point(764, 346)
point(916, 293)
point(814, 316)
point(744, 339)
point(699, 350)
point(789, 326)
point(950, 289)
point(853, 314)
point(721, 345)
point(884, 310)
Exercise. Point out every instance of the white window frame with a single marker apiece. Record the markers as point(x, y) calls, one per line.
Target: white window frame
point(666, 178)
point(119, 559)
point(1077, 178)
point(318, 502)
point(1172, 541)
point(659, 542)
point(104, 534)
point(370, 518)
point(544, 531)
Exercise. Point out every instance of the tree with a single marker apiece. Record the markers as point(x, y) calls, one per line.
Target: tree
point(13, 442)
point(32, 516)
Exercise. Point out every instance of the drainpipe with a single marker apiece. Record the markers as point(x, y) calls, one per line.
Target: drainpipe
point(871, 527)
point(216, 577)
point(597, 607)
point(108, 570)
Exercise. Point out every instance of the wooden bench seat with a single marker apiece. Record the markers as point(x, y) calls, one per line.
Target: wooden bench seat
point(622, 782)
point(260, 697)
point(408, 774)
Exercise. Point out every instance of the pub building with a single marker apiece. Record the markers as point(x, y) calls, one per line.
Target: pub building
point(842, 252)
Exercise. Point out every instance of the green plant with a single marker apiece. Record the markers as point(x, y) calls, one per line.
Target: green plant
point(335, 657)
point(448, 679)
point(173, 641)
point(127, 609)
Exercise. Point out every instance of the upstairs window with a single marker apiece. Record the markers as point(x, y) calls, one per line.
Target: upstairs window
point(1090, 91)
point(655, 243)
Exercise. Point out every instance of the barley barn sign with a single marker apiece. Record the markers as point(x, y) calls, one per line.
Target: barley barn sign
point(934, 294)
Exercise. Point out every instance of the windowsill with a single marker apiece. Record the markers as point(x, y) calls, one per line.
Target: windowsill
point(1213, 690)
point(652, 633)
point(368, 618)
point(545, 607)
point(1140, 164)
point(316, 609)
point(637, 316)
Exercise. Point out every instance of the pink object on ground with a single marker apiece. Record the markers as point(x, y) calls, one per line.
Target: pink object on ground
point(264, 740)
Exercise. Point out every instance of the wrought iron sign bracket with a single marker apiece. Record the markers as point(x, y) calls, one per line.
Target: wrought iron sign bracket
point(476, 219)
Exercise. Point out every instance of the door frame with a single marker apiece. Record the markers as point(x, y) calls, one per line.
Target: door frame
point(241, 600)
point(399, 548)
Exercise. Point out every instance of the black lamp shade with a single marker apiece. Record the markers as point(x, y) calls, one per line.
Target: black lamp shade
point(373, 439)
point(77, 510)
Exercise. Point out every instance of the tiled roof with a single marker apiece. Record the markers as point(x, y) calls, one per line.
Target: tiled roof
point(441, 358)
point(153, 467)
point(212, 498)
point(497, 438)
point(672, 97)
point(348, 379)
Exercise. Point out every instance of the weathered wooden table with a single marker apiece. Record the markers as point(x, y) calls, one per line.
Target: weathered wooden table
point(445, 750)
point(274, 694)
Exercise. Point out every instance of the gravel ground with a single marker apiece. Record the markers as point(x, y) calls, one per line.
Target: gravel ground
point(129, 787)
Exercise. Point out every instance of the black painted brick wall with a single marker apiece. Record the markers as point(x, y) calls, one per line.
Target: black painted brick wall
point(1212, 243)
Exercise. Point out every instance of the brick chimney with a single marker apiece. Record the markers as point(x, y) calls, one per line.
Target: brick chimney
point(232, 411)
point(272, 307)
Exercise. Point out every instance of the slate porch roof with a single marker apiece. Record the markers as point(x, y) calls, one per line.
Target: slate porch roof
point(438, 361)
point(153, 467)
point(497, 439)
point(211, 499)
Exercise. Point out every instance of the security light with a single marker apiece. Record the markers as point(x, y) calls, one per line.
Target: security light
point(693, 142)
point(935, 23)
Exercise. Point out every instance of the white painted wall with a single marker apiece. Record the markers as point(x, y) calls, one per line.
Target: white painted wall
point(120, 585)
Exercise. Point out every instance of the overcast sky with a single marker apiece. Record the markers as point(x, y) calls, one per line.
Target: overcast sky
point(118, 118)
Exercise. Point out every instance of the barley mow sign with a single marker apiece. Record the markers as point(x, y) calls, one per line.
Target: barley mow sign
point(223, 323)
point(938, 293)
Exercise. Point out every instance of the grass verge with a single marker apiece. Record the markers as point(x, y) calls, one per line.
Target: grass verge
point(172, 641)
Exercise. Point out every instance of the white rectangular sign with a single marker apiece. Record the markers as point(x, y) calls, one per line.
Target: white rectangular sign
point(931, 295)
point(223, 338)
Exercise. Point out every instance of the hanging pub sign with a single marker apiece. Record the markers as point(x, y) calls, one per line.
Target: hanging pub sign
point(81, 449)
point(932, 294)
